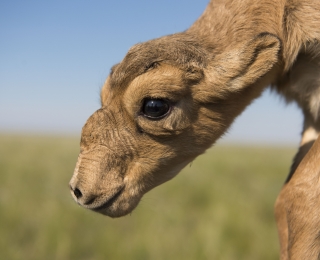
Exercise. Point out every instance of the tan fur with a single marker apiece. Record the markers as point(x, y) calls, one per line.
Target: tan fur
point(209, 74)
point(298, 209)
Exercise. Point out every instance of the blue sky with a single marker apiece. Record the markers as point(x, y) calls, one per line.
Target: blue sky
point(55, 56)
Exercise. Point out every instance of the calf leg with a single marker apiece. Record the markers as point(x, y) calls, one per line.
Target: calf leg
point(297, 209)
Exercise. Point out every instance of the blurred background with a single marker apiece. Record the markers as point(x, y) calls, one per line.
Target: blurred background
point(55, 57)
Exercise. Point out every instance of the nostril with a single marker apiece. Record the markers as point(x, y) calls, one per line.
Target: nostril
point(77, 193)
point(83, 199)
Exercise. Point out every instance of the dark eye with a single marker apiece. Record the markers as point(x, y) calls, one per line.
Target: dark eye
point(155, 108)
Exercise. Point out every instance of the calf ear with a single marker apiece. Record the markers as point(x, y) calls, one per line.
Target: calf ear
point(245, 65)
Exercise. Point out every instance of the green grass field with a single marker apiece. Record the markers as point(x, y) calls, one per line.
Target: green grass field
point(220, 207)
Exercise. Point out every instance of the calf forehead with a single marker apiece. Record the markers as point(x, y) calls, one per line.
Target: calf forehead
point(180, 50)
point(105, 94)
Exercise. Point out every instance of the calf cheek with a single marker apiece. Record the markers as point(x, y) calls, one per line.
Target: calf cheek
point(163, 164)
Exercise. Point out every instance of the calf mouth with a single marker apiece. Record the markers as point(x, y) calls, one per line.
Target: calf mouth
point(109, 202)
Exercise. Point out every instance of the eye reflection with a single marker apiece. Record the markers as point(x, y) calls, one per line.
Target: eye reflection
point(155, 108)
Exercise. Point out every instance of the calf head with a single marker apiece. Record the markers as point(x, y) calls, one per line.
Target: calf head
point(162, 106)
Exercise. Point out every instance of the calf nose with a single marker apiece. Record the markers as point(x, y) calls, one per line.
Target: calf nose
point(81, 198)
point(77, 193)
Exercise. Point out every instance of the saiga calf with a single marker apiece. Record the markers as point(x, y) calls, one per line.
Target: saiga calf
point(171, 98)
